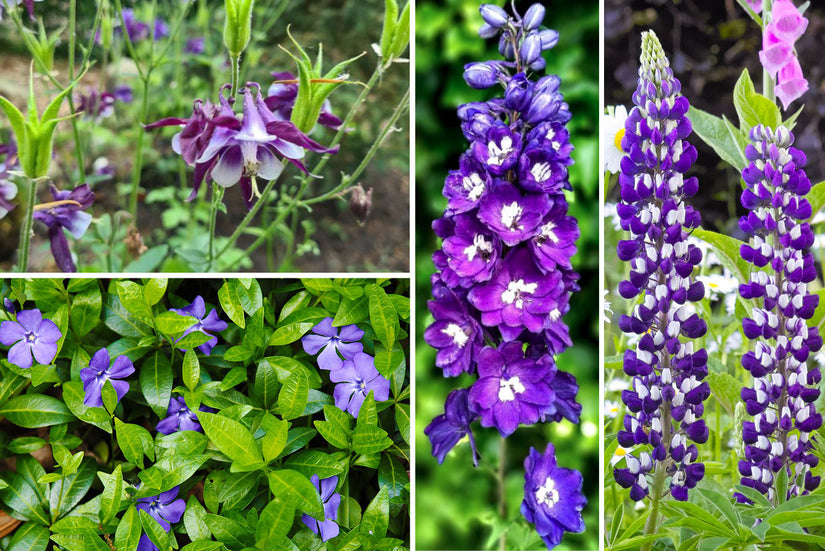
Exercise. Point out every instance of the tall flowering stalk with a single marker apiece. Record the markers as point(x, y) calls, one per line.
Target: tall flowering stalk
point(784, 390)
point(504, 272)
point(665, 399)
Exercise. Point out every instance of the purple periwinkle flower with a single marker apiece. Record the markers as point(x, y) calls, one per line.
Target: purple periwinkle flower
point(327, 528)
point(329, 341)
point(102, 369)
point(665, 401)
point(553, 498)
point(785, 383)
point(179, 417)
point(205, 323)
point(356, 378)
point(66, 211)
point(31, 335)
point(165, 509)
point(447, 429)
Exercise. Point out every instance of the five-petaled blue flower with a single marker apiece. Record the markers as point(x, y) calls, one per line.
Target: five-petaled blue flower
point(30, 335)
point(205, 323)
point(165, 509)
point(330, 341)
point(100, 371)
point(327, 528)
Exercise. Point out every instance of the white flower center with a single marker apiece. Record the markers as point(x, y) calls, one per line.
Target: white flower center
point(548, 494)
point(455, 332)
point(497, 153)
point(480, 247)
point(510, 215)
point(30, 337)
point(508, 388)
point(515, 290)
point(548, 233)
point(474, 186)
point(541, 172)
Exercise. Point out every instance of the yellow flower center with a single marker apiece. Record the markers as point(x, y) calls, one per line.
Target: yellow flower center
point(617, 140)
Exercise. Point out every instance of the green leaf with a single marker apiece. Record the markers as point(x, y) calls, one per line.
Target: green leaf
point(86, 308)
point(716, 133)
point(203, 545)
point(722, 504)
point(154, 289)
point(335, 429)
point(120, 321)
point(388, 31)
point(275, 522)
point(753, 109)
point(26, 444)
point(75, 486)
point(29, 537)
point(370, 439)
point(726, 389)
point(20, 496)
point(191, 370)
point(73, 396)
point(36, 410)
point(274, 441)
point(228, 531)
point(266, 384)
point(376, 518)
point(296, 489)
point(296, 325)
point(383, 317)
point(192, 340)
point(233, 439)
point(310, 462)
point(816, 197)
point(156, 382)
point(154, 531)
point(393, 476)
point(231, 302)
point(297, 438)
point(135, 442)
point(111, 496)
point(172, 323)
point(727, 249)
point(133, 300)
point(352, 311)
point(387, 362)
point(402, 419)
point(402, 34)
point(194, 520)
point(294, 395)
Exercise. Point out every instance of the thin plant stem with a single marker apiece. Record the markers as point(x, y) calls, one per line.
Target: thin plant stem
point(767, 81)
point(78, 147)
point(502, 491)
point(236, 73)
point(217, 197)
point(249, 216)
point(137, 166)
point(26, 231)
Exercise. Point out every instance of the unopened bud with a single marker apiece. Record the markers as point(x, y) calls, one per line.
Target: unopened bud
point(533, 17)
point(360, 203)
point(493, 15)
point(238, 27)
point(481, 75)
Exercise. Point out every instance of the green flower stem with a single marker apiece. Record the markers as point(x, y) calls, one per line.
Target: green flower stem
point(217, 197)
point(502, 490)
point(236, 73)
point(137, 166)
point(78, 147)
point(26, 231)
point(249, 216)
point(767, 81)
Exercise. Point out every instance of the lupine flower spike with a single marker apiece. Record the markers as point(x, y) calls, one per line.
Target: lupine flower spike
point(784, 390)
point(504, 273)
point(665, 401)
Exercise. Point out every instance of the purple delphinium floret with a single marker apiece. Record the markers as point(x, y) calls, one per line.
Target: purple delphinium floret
point(665, 401)
point(473, 250)
point(102, 369)
point(204, 323)
point(447, 429)
point(66, 211)
point(553, 498)
point(179, 417)
point(356, 378)
point(785, 381)
point(329, 341)
point(514, 216)
point(511, 389)
point(165, 509)
point(326, 528)
point(455, 333)
point(31, 335)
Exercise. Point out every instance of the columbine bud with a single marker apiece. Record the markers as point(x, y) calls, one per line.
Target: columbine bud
point(533, 17)
point(360, 203)
point(493, 15)
point(481, 75)
point(238, 27)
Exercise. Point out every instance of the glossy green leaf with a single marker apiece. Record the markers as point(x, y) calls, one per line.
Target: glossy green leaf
point(111, 496)
point(376, 517)
point(20, 496)
point(134, 441)
point(233, 439)
point(295, 488)
point(128, 530)
point(231, 302)
point(191, 370)
point(383, 317)
point(36, 410)
point(156, 382)
point(293, 396)
point(275, 522)
point(717, 134)
point(29, 537)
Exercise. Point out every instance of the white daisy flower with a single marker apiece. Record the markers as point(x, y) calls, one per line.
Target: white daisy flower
point(613, 128)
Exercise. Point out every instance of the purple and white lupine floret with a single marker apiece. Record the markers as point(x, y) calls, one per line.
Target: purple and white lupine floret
point(784, 390)
point(665, 400)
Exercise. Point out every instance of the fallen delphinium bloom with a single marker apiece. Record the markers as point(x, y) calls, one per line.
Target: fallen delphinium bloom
point(665, 401)
point(504, 272)
point(784, 390)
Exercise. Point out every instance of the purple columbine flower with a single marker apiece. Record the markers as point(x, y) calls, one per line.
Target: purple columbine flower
point(785, 383)
point(327, 528)
point(203, 323)
point(165, 509)
point(455, 333)
point(31, 335)
point(14, 3)
point(356, 378)
point(330, 341)
point(281, 98)
point(66, 212)
point(95, 105)
point(553, 498)
point(447, 429)
point(511, 389)
point(665, 402)
point(179, 417)
point(100, 370)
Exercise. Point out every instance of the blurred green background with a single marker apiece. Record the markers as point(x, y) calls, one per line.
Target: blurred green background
point(455, 503)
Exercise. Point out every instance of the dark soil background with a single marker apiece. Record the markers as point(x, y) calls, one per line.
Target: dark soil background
point(709, 42)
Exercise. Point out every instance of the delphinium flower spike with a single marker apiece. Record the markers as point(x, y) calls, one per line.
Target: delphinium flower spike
point(504, 272)
point(784, 390)
point(665, 400)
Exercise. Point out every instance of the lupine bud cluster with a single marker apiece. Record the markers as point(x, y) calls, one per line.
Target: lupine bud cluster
point(784, 386)
point(665, 400)
point(504, 273)
point(778, 56)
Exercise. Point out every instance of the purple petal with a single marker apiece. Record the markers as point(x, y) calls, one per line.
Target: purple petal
point(270, 167)
point(30, 319)
point(93, 390)
point(350, 349)
point(48, 331)
point(11, 332)
point(327, 487)
point(169, 424)
point(174, 511)
point(351, 333)
point(61, 250)
point(122, 367)
point(328, 359)
point(355, 404)
point(312, 343)
point(44, 352)
point(121, 388)
point(21, 355)
point(324, 327)
point(343, 393)
point(329, 529)
point(100, 361)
